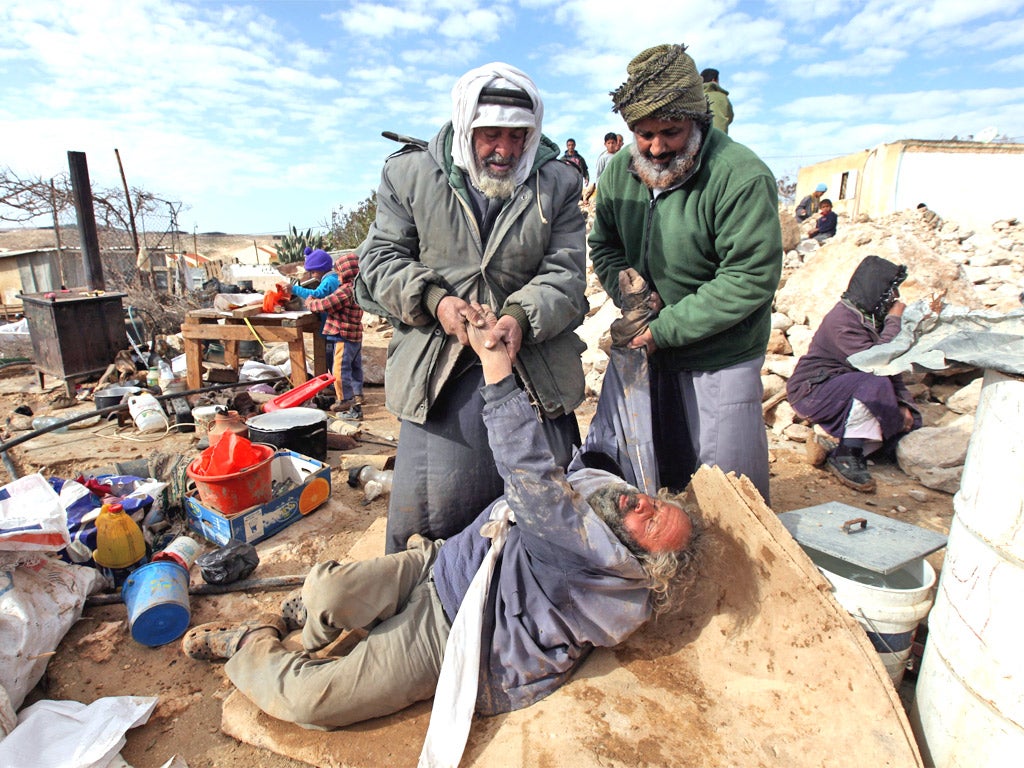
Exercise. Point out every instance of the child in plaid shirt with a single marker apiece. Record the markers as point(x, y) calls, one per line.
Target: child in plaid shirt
point(343, 330)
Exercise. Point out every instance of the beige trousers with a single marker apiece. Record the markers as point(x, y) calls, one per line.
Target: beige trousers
point(396, 665)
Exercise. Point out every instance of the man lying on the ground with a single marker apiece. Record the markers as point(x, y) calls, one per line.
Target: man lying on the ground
point(586, 562)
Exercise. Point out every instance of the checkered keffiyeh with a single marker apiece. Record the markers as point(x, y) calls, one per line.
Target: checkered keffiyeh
point(664, 84)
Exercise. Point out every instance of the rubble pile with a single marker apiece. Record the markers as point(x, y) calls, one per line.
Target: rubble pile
point(962, 268)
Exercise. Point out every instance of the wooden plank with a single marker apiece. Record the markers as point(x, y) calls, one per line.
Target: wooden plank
point(248, 311)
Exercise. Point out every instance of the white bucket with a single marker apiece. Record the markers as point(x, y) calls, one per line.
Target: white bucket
point(969, 704)
point(889, 607)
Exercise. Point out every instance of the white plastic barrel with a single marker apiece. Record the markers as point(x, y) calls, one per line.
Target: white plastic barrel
point(889, 607)
point(969, 703)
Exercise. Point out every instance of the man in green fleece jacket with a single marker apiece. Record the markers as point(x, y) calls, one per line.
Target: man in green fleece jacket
point(695, 214)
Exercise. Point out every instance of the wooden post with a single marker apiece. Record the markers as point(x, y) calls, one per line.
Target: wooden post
point(131, 218)
point(56, 232)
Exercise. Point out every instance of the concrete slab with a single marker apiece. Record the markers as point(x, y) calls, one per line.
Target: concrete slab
point(762, 667)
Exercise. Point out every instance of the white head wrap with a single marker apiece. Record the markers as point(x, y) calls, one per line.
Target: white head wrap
point(468, 113)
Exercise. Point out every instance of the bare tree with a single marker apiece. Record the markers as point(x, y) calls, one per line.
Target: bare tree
point(25, 199)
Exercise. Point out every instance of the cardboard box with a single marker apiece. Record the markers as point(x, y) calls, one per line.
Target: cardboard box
point(311, 481)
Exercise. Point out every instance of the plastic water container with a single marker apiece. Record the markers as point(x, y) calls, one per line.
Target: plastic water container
point(148, 414)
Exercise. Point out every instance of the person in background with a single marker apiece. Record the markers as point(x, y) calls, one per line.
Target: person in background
point(574, 157)
point(619, 142)
point(319, 269)
point(483, 212)
point(695, 215)
point(344, 326)
point(611, 146)
point(810, 204)
point(862, 410)
point(718, 100)
point(931, 219)
point(318, 280)
point(826, 226)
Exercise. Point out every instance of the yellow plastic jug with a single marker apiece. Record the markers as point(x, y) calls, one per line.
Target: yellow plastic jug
point(119, 541)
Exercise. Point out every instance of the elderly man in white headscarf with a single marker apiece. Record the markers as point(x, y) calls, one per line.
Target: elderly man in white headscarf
point(483, 212)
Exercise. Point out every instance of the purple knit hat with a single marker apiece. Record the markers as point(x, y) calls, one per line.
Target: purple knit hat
point(317, 261)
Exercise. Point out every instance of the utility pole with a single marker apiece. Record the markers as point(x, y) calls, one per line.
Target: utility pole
point(131, 219)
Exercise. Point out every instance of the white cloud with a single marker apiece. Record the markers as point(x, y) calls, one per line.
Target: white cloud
point(378, 21)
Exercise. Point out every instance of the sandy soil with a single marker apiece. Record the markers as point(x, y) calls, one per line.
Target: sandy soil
point(98, 658)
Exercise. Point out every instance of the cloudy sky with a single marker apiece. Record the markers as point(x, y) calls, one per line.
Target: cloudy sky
point(263, 115)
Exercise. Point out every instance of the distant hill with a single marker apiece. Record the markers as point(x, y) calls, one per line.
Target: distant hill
point(213, 245)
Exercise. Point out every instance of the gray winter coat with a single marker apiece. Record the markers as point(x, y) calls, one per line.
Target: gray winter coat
point(425, 244)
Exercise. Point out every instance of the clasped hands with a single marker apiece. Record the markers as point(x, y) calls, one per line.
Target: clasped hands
point(458, 317)
point(495, 340)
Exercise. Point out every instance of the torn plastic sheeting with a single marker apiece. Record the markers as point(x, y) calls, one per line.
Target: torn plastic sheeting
point(69, 734)
point(929, 342)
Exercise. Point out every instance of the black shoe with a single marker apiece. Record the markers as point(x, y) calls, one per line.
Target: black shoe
point(852, 470)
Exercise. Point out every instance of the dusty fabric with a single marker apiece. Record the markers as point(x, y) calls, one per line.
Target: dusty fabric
point(394, 666)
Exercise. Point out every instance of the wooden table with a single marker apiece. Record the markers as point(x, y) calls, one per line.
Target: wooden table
point(228, 328)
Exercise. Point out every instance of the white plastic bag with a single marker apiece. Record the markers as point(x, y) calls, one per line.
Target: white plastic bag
point(32, 517)
point(38, 605)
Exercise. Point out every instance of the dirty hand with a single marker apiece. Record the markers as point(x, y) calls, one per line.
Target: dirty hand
point(896, 310)
point(645, 340)
point(453, 314)
point(908, 418)
point(506, 334)
point(494, 358)
point(638, 304)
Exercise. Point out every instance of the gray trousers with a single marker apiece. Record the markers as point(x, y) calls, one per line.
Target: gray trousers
point(396, 665)
point(713, 418)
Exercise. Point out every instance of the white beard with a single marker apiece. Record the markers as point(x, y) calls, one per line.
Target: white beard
point(656, 177)
point(493, 186)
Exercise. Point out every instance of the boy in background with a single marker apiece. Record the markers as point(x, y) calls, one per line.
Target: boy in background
point(343, 330)
point(826, 226)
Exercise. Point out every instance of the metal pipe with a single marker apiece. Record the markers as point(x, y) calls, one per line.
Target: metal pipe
point(113, 408)
point(269, 583)
point(82, 192)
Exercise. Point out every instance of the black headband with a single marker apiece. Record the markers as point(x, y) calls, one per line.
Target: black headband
point(509, 97)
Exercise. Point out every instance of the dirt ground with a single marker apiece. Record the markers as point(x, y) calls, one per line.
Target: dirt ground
point(98, 658)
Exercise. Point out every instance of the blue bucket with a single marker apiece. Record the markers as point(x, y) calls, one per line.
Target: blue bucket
point(156, 596)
